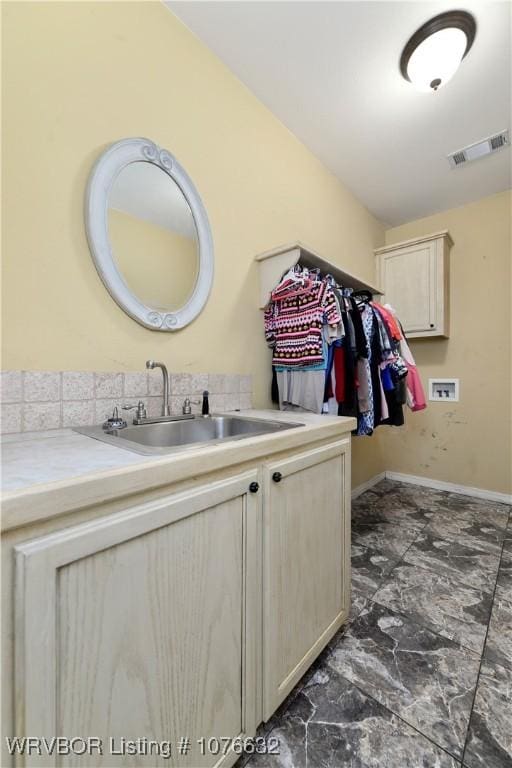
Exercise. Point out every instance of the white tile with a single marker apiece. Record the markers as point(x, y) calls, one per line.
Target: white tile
point(198, 383)
point(78, 413)
point(77, 385)
point(232, 401)
point(38, 416)
point(108, 385)
point(136, 384)
point(231, 383)
point(11, 418)
point(217, 383)
point(155, 382)
point(176, 405)
point(245, 400)
point(217, 403)
point(104, 409)
point(154, 406)
point(180, 384)
point(10, 387)
point(245, 384)
point(41, 386)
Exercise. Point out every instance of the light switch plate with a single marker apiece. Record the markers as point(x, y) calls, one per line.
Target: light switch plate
point(446, 390)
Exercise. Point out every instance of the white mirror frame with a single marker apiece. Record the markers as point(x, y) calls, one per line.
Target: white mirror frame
point(103, 175)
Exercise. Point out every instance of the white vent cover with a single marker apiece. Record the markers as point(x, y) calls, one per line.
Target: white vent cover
point(479, 149)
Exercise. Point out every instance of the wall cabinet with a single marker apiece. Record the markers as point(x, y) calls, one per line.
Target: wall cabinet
point(191, 615)
point(414, 276)
point(306, 569)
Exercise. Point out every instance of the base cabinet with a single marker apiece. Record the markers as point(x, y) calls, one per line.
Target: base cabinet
point(306, 571)
point(143, 625)
point(191, 616)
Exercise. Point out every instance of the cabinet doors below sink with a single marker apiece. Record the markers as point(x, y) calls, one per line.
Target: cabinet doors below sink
point(143, 623)
point(306, 563)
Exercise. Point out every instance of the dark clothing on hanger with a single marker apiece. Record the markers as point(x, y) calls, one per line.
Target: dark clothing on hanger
point(361, 341)
point(348, 407)
point(274, 389)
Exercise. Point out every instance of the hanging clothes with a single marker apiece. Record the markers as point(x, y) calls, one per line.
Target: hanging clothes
point(301, 390)
point(415, 393)
point(390, 320)
point(302, 320)
point(339, 352)
point(366, 406)
point(293, 325)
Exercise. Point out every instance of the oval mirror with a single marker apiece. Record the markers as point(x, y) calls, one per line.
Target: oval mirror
point(149, 235)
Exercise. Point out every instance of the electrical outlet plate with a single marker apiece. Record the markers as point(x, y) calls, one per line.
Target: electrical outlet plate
point(446, 390)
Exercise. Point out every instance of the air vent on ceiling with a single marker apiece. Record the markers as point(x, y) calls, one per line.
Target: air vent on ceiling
point(479, 149)
point(498, 141)
point(458, 158)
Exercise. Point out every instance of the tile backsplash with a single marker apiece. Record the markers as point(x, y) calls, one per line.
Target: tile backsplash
point(39, 400)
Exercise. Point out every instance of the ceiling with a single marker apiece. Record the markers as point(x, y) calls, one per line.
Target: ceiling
point(329, 72)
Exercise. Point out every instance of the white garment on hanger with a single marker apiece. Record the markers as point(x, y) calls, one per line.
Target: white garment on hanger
point(303, 389)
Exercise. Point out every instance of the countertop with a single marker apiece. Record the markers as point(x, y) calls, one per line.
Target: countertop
point(45, 474)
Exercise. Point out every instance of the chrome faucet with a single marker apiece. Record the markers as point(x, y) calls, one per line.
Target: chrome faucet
point(153, 364)
point(186, 408)
point(140, 410)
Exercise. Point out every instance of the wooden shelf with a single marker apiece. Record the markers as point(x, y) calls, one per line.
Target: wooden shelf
point(273, 264)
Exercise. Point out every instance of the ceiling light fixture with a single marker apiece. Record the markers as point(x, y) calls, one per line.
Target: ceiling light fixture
point(434, 53)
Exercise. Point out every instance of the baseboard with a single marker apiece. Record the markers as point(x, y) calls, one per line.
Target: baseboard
point(359, 489)
point(440, 485)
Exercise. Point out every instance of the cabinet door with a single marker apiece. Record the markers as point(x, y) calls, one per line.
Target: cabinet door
point(306, 572)
point(143, 625)
point(408, 278)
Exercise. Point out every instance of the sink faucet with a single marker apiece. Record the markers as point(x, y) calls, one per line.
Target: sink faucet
point(153, 364)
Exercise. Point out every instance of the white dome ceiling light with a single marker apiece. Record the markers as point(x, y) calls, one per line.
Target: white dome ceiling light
point(434, 53)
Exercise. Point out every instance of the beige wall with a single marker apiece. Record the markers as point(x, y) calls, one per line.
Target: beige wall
point(467, 442)
point(78, 76)
point(160, 266)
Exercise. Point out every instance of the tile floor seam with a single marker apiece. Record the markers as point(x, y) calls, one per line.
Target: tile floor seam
point(398, 562)
point(428, 626)
point(387, 552)
point(372, 595)
point(458, 580)
point(395, 714)
point(482, 659)
point(445, 640)
point(460, 538)
point(379, 704)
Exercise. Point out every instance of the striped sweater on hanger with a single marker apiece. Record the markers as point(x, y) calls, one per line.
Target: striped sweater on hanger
point(293, 325)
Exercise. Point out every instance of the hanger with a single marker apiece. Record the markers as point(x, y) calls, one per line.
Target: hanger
point(294, 282)
point(363, 295)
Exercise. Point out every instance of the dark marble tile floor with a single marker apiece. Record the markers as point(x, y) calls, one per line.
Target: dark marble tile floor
point(421, 674)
